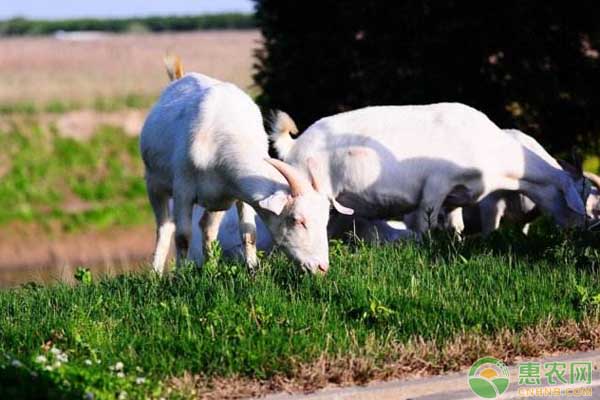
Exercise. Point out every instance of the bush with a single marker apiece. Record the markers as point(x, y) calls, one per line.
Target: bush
point(528, 65)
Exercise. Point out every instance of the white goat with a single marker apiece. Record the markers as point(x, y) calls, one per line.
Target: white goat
point(516, 207)
point(341, 227)
point(387, 161)
point(229, 234)
point(204, 143)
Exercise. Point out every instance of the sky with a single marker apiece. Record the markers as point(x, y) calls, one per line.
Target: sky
point(58, 9)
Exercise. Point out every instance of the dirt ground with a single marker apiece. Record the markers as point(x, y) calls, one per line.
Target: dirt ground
point(41, 69)
point(27, 253)
point(80, 124)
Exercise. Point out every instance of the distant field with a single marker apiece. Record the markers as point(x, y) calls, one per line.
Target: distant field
point(44, 69)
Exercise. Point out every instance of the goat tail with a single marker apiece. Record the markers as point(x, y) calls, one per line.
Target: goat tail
point(281, 133)
point(174, 66)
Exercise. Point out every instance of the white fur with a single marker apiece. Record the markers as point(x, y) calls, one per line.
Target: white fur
point(514, 206)
point(228, 235)
point(342, 227)
point(204, 143)
point(387, 161)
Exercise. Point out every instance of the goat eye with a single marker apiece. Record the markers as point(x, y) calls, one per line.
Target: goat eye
point(299, 221)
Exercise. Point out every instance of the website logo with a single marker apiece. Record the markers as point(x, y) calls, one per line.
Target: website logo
point(489, 378)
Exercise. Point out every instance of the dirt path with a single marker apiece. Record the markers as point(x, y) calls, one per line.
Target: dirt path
point(29, 254)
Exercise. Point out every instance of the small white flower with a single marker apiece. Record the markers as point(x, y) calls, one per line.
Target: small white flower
point(88, 362)
point(98, 361)
point(55, 350)
point(56, 364)
point(120, 375)
point(16, 363)
point(140, 380)
point(119, 366)
point(48, 368)
point(122, 395)
point(62, 357)
point(41, 360)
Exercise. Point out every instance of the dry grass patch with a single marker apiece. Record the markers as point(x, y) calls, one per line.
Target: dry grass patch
point(416, 358)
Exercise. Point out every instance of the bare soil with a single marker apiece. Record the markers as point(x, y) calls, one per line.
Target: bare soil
point(79, 124)
point(29, 253)
point(45, 68)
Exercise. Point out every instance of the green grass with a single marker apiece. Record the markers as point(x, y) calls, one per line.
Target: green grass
point(132, 100)
point(79, 184)
point(223, 322)
point(101, 104)
point(23, 107)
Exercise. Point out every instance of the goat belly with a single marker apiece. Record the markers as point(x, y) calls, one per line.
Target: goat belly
point(381, 207)
point(460, 196)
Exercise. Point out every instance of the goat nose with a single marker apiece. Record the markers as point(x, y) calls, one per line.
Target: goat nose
point(323, 268)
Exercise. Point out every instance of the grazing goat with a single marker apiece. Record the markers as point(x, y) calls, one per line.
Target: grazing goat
point(388, 161)
point(229, 234)
point(516, 207)
point(342, 227)
point(204, 143)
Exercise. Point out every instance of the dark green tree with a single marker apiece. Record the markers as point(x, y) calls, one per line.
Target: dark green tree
point(527, 64)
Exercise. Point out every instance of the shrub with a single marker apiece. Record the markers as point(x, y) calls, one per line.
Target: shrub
point(528, 65)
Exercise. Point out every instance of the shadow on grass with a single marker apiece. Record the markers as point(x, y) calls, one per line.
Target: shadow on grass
point(20, 383)
point(544, 241)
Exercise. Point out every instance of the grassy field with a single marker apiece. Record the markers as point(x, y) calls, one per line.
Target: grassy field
point(380, 312)
point(68, 184)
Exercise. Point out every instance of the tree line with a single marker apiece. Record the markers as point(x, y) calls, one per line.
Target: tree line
point(23, 26)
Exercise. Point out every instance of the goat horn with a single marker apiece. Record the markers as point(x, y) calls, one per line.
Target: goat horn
point(312, 172)
point(593, 177)
point(298, 184)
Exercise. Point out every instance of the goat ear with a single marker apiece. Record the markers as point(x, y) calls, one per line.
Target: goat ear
point(275, 202)
point(564, 164)
point(340, 208)
point(577, 161)
point(574, 201)
point(313, 173)
point(573, 171)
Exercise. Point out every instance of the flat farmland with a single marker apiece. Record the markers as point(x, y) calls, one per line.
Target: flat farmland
point(43, 69)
